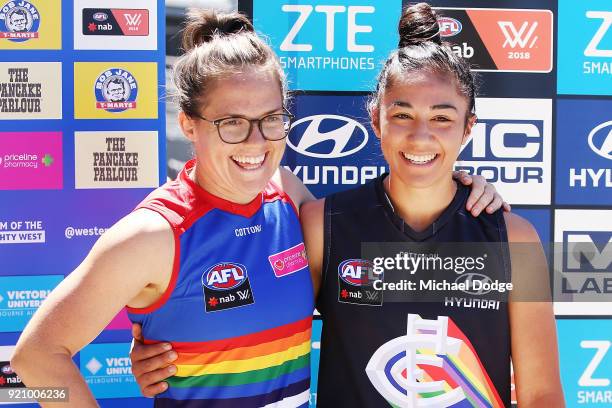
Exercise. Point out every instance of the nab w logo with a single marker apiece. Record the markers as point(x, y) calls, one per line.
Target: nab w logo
point(133, 20)
point(592, 49)
point(327, 136)
point(587, 251)
point(523, 37)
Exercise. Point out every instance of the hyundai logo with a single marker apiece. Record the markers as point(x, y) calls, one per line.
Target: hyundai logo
point(468, 278)
point(600, 140)
point(327, 136)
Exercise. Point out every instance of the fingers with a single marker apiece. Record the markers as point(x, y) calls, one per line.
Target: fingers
point(507, 207)
point(485, 200)
point(151, 383)
point(147, 365)
point(152, 390)
point(478, 189)
point(142, 352)
point(137, 332)
point(463, 177)
point(495, 204)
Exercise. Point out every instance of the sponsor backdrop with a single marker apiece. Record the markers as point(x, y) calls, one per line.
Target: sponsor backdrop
point(83, 132)
point(544, 134)
point(82, 137)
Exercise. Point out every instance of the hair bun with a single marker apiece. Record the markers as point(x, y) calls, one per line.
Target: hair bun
point(418, 24)
point(203, 25)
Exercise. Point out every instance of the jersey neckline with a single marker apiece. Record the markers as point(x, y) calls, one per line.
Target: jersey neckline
point(245, 210)
point(455, 204)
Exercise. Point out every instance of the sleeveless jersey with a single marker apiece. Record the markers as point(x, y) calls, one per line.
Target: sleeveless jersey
point(239, 306)
point(453, 352)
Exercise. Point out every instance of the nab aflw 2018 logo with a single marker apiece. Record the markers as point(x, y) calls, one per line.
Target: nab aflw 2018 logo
point(355, 283)
point(116, 90)
point(226, 285)
point(433, 365)
point(119, 22)
point(19, 21)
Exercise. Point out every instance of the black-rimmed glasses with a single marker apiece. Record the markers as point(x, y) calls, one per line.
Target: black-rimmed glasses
point(237, 129)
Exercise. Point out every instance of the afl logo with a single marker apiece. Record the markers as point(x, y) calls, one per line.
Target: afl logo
point(7, 370)
point(19, 21)
point(100, 16)
point(356, 272)
point(469, 278)
point(224, 276)
point(449, 26)
point(116, 90)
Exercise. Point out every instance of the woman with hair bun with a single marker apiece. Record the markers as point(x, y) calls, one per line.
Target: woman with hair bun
point(201, 262)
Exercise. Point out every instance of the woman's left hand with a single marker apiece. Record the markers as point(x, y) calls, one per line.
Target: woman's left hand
point(483, 194)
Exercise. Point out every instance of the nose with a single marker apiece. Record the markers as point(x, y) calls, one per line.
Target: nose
point(420, 131)
point(255, 136)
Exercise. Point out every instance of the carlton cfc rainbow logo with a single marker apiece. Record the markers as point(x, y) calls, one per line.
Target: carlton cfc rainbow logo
point(356, 272)
point(433, 365)
point(19, 21)
point(116, 90)
point(224, 276)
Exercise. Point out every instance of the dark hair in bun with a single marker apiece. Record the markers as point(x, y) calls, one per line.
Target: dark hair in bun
point(216, 45)
point(418, 24)
point(422, 49)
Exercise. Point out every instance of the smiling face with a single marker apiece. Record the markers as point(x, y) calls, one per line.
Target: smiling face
point(421, 122)
point(236, 172)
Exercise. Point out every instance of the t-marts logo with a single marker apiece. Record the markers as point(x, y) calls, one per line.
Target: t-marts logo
point(120, 22)
point(327, 136)
point(19, 21)
point(500, 39)
point(116, 90)
point(433, 365)
point(226, 285)
point(333, 46)
point(355, 283)
point(511, 147)
point(583, 262)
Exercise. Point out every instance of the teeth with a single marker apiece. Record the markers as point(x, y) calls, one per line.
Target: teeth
point(419, 159)
point(249, 159)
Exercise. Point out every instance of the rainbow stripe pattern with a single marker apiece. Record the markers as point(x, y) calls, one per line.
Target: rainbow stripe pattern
point(232, 372)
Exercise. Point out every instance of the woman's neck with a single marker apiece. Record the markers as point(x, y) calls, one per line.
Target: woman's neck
point(419, 207)
point(233, 196)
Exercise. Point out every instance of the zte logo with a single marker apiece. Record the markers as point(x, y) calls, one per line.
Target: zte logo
point(523, 37)
point(592, 49)
point(587, 251)
point(495, 140)
point(325, 16)
point(327, 136)
point(586, 379)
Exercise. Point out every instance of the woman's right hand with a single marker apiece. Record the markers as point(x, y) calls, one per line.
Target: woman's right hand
point(151, 364)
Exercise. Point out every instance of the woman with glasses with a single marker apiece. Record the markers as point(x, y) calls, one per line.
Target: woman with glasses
point(213, 262)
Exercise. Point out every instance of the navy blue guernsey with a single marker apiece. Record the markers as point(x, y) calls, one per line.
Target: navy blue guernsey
point(376, 352)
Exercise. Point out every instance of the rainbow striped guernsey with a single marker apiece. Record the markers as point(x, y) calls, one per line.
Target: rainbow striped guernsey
point(238, 310)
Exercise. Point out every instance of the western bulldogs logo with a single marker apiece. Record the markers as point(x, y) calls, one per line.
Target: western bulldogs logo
point(430, 368)
point(19, 21)
point(355, 283)
point(226, 285)
point(116, 90)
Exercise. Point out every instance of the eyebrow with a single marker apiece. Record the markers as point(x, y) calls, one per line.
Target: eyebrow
point(403, 104)
point(229, 115)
